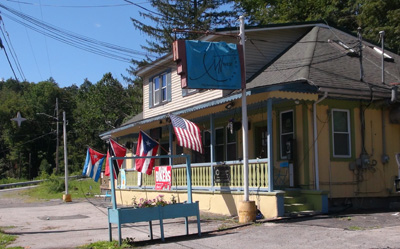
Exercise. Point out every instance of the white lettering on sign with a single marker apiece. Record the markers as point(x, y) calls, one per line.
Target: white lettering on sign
point(163, 175)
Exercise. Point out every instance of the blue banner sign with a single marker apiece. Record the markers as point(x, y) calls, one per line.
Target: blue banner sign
point(213, 65)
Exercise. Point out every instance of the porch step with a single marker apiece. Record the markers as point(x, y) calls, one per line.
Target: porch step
point(292, 192)
point(300, 214)
point(295, 199)
point(298, 207)
point(296, 204)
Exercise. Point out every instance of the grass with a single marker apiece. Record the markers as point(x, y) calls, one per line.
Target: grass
point(11, 180)
point(6, 239)
point(106, 244)
point(77, 188)
point(355, 228)
point(358, 228)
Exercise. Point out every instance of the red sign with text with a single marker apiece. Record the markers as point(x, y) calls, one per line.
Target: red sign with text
point(163, 177)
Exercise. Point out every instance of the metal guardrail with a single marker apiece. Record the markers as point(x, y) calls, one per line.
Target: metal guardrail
point(16, 184)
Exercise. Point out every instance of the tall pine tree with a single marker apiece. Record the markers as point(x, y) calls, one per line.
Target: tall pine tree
point(193, 15)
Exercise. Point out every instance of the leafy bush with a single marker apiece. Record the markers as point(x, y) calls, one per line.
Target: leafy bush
point(54, 184)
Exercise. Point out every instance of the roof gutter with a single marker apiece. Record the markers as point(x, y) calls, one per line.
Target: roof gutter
point(316, 165)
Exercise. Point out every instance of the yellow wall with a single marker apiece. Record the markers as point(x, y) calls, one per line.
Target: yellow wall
point(335, 175)
point(214, 202)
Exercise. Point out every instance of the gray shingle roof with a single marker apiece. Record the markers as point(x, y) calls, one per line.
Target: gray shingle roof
point(319, 59)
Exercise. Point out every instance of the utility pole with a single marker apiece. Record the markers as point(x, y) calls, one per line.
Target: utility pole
point(57, 145)
point(66, 196)
point(57, 131)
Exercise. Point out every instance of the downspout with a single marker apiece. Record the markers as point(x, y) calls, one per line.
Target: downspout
point(316, 139)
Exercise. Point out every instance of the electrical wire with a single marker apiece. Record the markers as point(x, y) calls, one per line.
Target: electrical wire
point(8, 59)
point(45, 40)
point(29, 141)
point(146, 9)
point(70, 6)
point(31, 47)
point(85, 43)
point(11, 49)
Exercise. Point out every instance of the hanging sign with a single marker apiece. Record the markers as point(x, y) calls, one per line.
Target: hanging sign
point(163, 177)
point(222, 174)
point(209, 65)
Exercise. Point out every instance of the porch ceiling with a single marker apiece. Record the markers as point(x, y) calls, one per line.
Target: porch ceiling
point(204, 110)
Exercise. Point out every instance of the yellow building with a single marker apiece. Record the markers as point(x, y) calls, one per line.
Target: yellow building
point(323, 124)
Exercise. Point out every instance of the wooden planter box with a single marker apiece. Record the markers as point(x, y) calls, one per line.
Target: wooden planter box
point(121, 216)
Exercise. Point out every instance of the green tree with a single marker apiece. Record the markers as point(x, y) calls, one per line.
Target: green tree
point(371, 15)
point(99, 107)
point(381, 15)
point(192, 15)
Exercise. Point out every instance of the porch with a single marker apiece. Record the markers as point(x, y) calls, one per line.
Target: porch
point(214, 195)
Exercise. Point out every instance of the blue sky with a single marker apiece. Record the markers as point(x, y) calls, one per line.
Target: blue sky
point(42, 57)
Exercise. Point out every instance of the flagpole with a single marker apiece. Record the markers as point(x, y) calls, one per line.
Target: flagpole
point(247, 208)
point(245, 127)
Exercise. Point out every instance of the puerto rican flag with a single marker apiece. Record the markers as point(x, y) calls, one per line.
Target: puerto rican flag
point(93, 164)
point(146, 147)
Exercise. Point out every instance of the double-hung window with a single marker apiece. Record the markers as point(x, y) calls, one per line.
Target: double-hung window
point(341, 133)
point(230, 146)
point(286, 130)
point(219, 145)
point(160, 89)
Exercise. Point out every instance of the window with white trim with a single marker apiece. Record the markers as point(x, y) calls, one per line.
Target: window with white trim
point(160, 89)
point(341, 142)
point(286, 130)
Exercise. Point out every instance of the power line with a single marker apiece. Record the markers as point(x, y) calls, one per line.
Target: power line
point(82, 42)
point(11, 49)
point(146, 9)
point(30, 46)
point(8, 59)
point(29, 141)
point(70, 6)
point(45, 40)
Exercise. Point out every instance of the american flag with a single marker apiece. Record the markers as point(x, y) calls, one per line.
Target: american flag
point(187, 133)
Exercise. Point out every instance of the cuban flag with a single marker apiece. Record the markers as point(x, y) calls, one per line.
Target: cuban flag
point(146, 147)
point(93, 164)
point(115, 150)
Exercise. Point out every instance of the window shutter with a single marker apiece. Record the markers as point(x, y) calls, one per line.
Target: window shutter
point(169, 88)
point(150, 92)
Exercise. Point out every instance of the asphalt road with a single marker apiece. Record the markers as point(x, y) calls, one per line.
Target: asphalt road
point(54, 224)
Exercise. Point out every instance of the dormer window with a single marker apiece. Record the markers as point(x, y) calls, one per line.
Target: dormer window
point(160, 89)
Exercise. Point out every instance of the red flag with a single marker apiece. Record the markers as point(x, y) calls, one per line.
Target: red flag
point(116, 150)
point(187, 133)
point(146, 147)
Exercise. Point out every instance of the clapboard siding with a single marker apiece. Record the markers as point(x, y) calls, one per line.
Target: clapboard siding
point(261, 48)
point(178, 101)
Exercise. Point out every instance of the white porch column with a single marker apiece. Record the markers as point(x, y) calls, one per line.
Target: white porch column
point(270, 147)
